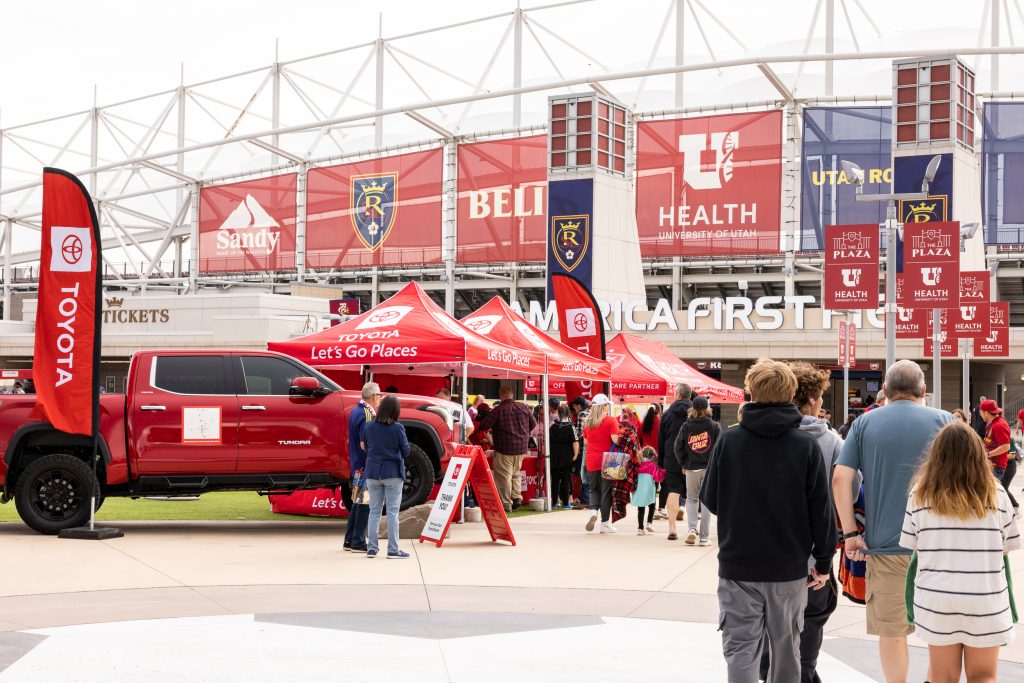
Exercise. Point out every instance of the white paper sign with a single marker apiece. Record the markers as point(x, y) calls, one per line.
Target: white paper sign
point(447, 498)
point(201, 425)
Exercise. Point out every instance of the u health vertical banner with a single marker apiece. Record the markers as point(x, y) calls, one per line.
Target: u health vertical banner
point(709, 185)
point(851, 267)
point(931, 265)
point(570, 240)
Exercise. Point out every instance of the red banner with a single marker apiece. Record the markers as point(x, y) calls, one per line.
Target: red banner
point(851, 267)
point(949, 345)
point(975, 287)
point(67, 341)
point(342, 307)
point(931, 265)
point(502, 204)
point(911, 323)
point(851, 344)
point(997, 343)
point(709, 185)
point(248, 226)
point(378, 212)
point(843, 327)
point(969, 321)
point(580, 326)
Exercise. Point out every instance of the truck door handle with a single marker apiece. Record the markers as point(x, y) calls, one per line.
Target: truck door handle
point(254, 407)
point(152, 407)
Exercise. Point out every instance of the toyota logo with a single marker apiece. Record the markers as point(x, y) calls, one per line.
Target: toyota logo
point(71, 249)
point(478, 324)
point(580, 322)
point(384, 316)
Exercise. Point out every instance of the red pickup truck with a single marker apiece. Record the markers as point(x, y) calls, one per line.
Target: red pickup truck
point(197, 421)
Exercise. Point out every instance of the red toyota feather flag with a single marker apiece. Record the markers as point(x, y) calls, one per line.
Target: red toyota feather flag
point(580, 325)
point(67, 343)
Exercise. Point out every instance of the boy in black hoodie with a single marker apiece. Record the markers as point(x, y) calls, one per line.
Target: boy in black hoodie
point(768, 486)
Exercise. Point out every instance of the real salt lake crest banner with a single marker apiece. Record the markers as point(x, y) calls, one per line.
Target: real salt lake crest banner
point(502, 200)
point(570, 230)
point(709, 185)
point(378, 212)
point(248, 226)
point(851, 267)
point(67, 337)
point(827, 197)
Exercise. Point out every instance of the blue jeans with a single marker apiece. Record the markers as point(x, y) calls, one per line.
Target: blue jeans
point(355, 529)
point(381, 491)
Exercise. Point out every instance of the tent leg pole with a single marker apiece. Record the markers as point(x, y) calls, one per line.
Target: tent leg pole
point(547, 449)
point(462, 429)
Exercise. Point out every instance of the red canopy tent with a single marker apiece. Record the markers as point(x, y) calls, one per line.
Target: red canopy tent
point(496, 320)
point(642, 367)
point(409, 333)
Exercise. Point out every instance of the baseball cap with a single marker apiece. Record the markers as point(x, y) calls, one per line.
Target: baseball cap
point(990, 406)
point(700, 403)
point(600, 400)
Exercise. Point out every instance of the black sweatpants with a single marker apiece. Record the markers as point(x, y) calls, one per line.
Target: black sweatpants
point(1008, 475)
point(640, 516)
point(561, 484)
point(820, 606)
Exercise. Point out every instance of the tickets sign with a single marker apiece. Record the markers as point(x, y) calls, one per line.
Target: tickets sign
point(709, 185)
point(851, 267)
point(931, 265)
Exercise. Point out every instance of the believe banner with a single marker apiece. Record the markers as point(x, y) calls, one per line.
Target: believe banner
point(851, 267)
point(861, 135)
point(378, 212)
point(67, 339)
point(502, 203)
point(931, 265)
point(709, 185)
point(248, 226)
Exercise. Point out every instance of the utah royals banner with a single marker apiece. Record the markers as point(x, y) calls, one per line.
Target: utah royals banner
point(67, 341)
point(378, 212)
point(502, 208)
point(931, 265)
point(709, 185)
point(248, 226)
point(580, 326)
point(1002, 171)
point(570, 230)
point(851, 267)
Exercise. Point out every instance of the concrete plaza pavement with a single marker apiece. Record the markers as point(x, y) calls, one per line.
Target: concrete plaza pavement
point(168, 570)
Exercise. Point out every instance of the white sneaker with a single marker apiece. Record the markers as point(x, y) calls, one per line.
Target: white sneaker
point(607, 528)
point(592, 521)
point(705, 542)
point(691, 537)
point(640, 532)
point(649, 529)
point(661, 514)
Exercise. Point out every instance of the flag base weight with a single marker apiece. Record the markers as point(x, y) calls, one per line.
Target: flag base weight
point(100, 533)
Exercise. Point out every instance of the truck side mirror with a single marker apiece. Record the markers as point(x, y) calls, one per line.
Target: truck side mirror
point(305, 386)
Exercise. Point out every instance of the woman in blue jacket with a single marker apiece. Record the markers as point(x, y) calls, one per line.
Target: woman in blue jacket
point(386, 449)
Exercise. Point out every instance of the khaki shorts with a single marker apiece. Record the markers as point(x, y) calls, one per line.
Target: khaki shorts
point(885, 586)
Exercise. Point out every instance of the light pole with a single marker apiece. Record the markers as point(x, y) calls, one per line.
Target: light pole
point(967, 231)
point(855, 174)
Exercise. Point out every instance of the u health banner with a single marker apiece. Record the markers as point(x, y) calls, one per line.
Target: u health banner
point(861, 135)
point(709, 185)
point(378, 212)
point(997, 343)
point(67, 338)
point(502, 200)
point(931, 265)
point(248, 226)
point(851, 267)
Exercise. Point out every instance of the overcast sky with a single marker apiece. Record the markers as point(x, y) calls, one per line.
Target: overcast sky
point(55, 52)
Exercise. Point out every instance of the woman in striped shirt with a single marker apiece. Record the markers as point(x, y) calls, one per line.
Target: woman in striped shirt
point(960, 523)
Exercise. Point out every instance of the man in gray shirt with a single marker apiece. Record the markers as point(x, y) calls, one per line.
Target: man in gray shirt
point(886, 445)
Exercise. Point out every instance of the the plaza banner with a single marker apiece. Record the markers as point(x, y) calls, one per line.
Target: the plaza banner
point(975, 286)
point(502, 188)
point(931, 264)
point(861, 135)
point(709, 185)
point(997, 343)
point(248, 226)
point(1002, 171)
point(851, 267)
point(378, 212)
point(67, 339)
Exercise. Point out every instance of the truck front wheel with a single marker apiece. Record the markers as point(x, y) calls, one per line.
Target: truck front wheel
point(53, 493)
point(419, 478)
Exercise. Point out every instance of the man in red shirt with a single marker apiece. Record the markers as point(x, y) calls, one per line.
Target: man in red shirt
point(997, 436)
point(1020, 420)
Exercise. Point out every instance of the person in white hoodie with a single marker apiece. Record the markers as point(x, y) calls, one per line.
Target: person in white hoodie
point(811, 386)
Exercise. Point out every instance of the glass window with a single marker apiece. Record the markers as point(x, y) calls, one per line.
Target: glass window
point(269, 376)
point(192, 375)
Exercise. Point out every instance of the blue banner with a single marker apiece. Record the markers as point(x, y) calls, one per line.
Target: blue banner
point(939, 205)
point(861, 135)
point(1002, 171)
point(570, 229)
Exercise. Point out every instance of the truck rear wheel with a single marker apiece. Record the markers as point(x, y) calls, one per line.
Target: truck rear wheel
point(53, 493)
point(419, 478)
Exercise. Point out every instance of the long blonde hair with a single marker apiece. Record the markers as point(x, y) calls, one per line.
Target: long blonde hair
point(955, 479)
point(594, 417)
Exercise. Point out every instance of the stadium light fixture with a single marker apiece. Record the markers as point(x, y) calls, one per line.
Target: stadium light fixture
point(853, 173)
point(930, 172)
